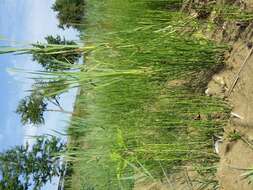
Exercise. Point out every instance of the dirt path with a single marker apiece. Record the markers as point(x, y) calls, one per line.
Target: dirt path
point(238, 153)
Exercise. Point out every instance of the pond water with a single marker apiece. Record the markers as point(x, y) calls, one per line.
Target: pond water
point(24, 22)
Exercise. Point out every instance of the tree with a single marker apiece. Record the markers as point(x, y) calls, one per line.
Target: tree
point(57, 54)
point(51, 90)
point(69, 12)
point(30, 167)
point(32, 107)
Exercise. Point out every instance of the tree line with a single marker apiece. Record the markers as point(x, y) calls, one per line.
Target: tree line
point(32, 166)
point(32, 108)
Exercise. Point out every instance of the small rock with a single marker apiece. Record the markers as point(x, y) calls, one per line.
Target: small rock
point(249, 45)
point(207, 92)
point(219, 80)
point(217, 140)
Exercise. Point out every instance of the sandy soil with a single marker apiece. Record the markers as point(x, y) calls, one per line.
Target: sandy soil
point(236, 155)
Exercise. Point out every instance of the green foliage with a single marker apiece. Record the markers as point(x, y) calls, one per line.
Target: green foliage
point(220, 11)
point(50, 90)
point(53, 61)
point(30, 167)
point(234, 136)
point(56, 61)
point(31, 109)
point(69, 12)
point(135, 113)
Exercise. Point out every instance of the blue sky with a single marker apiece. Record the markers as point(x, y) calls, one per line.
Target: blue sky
point(23, 22)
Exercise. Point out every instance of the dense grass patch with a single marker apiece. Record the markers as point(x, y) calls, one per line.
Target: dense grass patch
point(135, 113)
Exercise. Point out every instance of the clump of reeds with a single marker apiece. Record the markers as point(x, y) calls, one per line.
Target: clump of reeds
point(133, 116)
point(134, 112)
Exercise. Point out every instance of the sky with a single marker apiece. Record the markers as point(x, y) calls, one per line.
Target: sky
point(24, 22)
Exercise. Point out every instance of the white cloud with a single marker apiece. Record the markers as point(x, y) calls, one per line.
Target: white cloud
point(11, 71)
point(41, 21)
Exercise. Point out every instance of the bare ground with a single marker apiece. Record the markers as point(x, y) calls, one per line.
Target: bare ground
point(235, 83)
